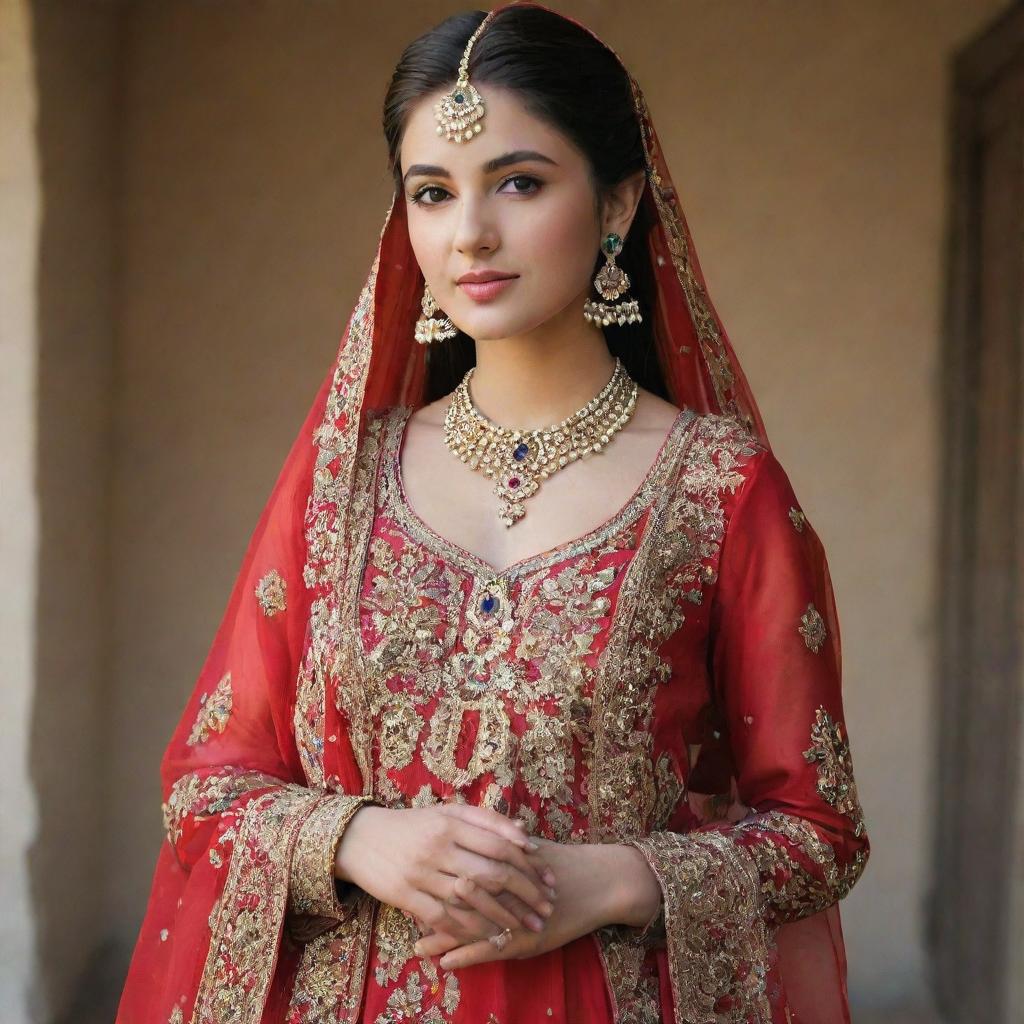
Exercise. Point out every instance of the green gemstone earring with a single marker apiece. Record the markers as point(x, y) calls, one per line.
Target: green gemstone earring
point(611, 282)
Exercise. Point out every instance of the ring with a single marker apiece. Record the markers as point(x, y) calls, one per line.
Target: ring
point(500, 941)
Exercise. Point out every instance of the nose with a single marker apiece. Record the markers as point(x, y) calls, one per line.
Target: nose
point(474, 230)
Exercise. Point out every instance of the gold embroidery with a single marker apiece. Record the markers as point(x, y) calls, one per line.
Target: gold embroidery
point(490, 746)
point(812, 628)
point(797, 518)
point(329, 980)
point(633, 981)
point(196, 795)
point(720, 947)
point(270, 592)
point(794, 887)
point(214, 711)
point(830, 749)
point(395, 935)
point(670, 567)
point(313, 888)
point(245, 928)
point(408, 1003)
point(176, 1017)
point(334, 496)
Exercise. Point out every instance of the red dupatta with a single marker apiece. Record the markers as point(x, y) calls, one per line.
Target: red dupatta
point(250, 812)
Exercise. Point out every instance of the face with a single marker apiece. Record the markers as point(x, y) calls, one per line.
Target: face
point(517, 198)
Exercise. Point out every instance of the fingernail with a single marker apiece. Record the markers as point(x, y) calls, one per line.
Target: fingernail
point(519, 822)
point(549, 876)
point(417, 949)
point(534, 922)
point(442, 962)
point(531, 845)
point(551, 893)
point(546, 909)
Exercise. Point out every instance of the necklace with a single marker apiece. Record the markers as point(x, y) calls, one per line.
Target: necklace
point(520, 459)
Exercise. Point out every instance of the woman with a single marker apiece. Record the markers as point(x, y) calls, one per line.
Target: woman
point(526, 704)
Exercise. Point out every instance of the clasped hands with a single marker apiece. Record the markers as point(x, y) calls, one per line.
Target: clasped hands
point(481, 888)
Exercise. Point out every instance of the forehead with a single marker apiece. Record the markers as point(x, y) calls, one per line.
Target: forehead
point(507, 126)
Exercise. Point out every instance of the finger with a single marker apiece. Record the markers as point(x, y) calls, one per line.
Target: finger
point(498, 876)
point(488, 844)
point(482, 901)
point(437, 916)
point(479, 953)
point(485, 817)
point(435, 945)
point(497, 880)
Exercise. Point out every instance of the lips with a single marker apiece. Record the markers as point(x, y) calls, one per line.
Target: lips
point(482, 276)
point(486, 285)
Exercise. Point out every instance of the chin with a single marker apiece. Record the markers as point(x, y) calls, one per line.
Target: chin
point(493, 324)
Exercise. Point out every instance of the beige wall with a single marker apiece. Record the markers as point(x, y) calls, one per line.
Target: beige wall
point(808, 143)
point(19, 509)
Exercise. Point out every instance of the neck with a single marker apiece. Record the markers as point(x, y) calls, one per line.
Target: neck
point(533, 380)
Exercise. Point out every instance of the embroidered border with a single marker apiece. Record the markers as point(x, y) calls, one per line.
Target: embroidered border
point(247, 919)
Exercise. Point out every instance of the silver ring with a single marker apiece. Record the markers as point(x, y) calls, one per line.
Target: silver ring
point(500, 941)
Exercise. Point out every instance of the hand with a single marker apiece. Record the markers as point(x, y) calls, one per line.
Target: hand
point(599, 884)
point(445, 865)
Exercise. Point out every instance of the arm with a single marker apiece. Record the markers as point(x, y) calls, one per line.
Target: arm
point(775, 664)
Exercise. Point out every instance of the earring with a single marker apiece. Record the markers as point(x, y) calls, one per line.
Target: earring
point(611, 282)
point(429, 329)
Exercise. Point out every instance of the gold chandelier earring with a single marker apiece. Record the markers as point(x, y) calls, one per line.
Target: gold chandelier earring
point(428, 328)
point(611, 282)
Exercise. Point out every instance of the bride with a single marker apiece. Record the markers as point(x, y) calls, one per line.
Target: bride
point(526, 705)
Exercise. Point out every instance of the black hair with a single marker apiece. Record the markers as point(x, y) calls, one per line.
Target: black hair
point(570, 80)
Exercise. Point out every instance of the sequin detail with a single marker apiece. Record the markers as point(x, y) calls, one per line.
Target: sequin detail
point(214, 712)
point(271, 593)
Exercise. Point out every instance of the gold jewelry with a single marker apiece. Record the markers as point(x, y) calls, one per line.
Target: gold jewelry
point(460, 112)
point(611, 282)
point(429, 330)
point(520, 459)
point(500, 941)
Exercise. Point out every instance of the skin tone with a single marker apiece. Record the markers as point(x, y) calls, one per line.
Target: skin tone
point(459, 869)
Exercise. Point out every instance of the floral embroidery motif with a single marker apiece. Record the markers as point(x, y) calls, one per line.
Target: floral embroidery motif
point(270, 592)
point(812, 628)
point(797, 518)
point(198, 796)
point(214, 711)
point(176, 1017)
point(830, 749)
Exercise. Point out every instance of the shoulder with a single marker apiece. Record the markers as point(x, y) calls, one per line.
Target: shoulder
point(718, 454)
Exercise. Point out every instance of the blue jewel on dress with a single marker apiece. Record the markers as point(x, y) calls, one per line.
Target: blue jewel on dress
point(488, 604)
point(522, 450)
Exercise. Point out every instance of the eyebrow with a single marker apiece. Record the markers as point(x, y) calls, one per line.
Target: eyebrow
point(517, 156)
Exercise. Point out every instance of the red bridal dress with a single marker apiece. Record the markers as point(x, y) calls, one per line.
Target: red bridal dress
point(669, 679)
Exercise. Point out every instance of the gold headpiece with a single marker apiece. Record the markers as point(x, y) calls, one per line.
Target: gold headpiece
point(460, 112)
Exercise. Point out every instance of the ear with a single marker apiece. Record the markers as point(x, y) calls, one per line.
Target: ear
point(621, 203)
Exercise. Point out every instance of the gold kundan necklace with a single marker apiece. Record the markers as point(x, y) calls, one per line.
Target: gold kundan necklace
point(520, 459)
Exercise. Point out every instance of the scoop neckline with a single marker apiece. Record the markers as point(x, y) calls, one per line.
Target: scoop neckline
point(479, 568)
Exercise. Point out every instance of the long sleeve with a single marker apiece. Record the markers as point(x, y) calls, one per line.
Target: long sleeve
point(774, 659)
point(250, 844)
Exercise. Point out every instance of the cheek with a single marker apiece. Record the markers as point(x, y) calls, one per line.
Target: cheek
point(559, 249)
